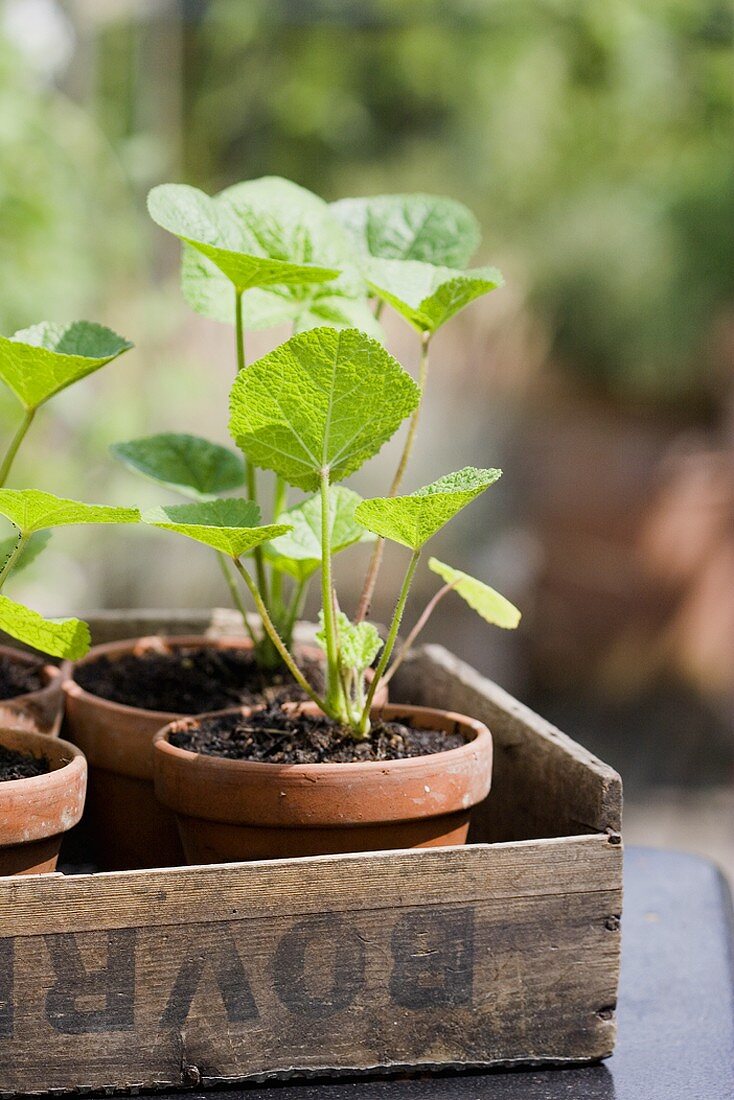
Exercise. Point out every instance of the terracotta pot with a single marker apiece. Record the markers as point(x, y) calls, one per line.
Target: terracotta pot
point(128, 827)
point(35, 813)
point(41, 710)
point(231, 810)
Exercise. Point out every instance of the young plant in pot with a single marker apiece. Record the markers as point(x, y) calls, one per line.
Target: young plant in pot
point(337, 773)
point(36, 364)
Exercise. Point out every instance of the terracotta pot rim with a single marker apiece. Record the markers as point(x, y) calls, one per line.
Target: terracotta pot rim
point(47, 805)
point(46, 744)
point(71, 687)
point(263, 768)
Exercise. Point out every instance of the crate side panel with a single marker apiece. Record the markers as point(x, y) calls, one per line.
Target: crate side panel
point(544, 784)
point(452, 956)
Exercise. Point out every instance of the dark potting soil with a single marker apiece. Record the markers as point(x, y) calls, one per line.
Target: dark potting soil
point(272, 736)
point(190, 680)
point(17, 678)
point(20, 765)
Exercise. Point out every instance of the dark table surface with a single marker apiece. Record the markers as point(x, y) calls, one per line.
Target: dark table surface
point(676, 1008)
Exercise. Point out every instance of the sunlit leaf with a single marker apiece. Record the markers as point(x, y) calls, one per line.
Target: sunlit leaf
point(412, 520)
point(488, 603)
point(187, 463)
point(325, 400)
point(67, 638)
point(231, 526)
point(358, 643)
point(38, 362)
point(299, 552)
point(425, 295)
point(32, 510)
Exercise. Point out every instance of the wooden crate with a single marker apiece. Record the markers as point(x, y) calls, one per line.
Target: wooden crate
point(501, 953)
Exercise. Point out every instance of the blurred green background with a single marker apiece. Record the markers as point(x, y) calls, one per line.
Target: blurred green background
point(594, 141)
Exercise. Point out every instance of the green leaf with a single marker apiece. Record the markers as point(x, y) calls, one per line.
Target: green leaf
point(245, 239)
point(31, 510)
point(232, 526)
point(425, 295)
point(430, 228)
point(187, 463)
point(299, 552)
point(325, 400)
point(38, 362)
point(412, 520)
point(35, 545)
point(67, 638)
point(488, 603)
point(358, 643)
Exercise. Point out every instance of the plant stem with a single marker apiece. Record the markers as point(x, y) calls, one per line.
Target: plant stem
point(12, 559)
point(239, 330)
point(333, 685)
point(364, 724)
point(235, 594)
point(15, 443)
point(422, 620)
point(379, 306)
point(296, 607)
point(368, 590)
point(250, 475)
point(275, 638)
point(280, 501)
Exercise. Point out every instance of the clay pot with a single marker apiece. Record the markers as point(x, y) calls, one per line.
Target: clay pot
point(128, 827)
point(41, 710)
point(35, 813)
point(231, 810)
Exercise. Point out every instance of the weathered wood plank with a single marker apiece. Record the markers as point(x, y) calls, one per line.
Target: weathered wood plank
point(475, 956)
point(544, 784)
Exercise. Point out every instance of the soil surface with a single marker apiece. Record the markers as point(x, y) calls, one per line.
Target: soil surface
point(17, 678)
point(273, 736)
point(190, 680)
point(20, 765)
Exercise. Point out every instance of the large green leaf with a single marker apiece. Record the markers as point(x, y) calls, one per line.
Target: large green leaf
point(299, 552)
point(430, 228)
point(412, 520)
point(325, 400)
point(232, 526)
point(31, 510)
point(38, 362)
point(245, 239)
point(303, 230)
point(187, 463)
point(488, 603)
point(425, 295)
point(34, 546)
point(67, 638)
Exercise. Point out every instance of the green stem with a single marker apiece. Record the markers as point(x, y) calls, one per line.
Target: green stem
point(239, 330)
point(275, 638)
point(12, 559)
point(333, 685)
point(235, 594)
point(364, 724)
point(421, 622)
point(373, 570)
point(296, 607)
point(280, 502)
point(250, 474)
point(15, 443)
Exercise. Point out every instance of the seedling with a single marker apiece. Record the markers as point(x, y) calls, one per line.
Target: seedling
point(36, 364)
point(268, 252)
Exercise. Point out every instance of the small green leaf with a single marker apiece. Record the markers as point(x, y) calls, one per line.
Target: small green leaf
point(31, 510)
point(67, 638)
point(412, 520)
point(430, 228)
point(325, 400)
point(425, 295)
point(358, 643)
point(231, 526)
point(299, 552)
point(488, 603)
point(242, 239)
point(187, 463)
point(34, 546)
point(38, 362)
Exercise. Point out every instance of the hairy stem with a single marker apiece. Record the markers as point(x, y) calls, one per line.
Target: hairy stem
point(422, 620)
point(373, 570)
point(235, 594)
point(333, 685)
point(15, 443)
point(12, 558)
point(275, 638)
point(364, 724)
